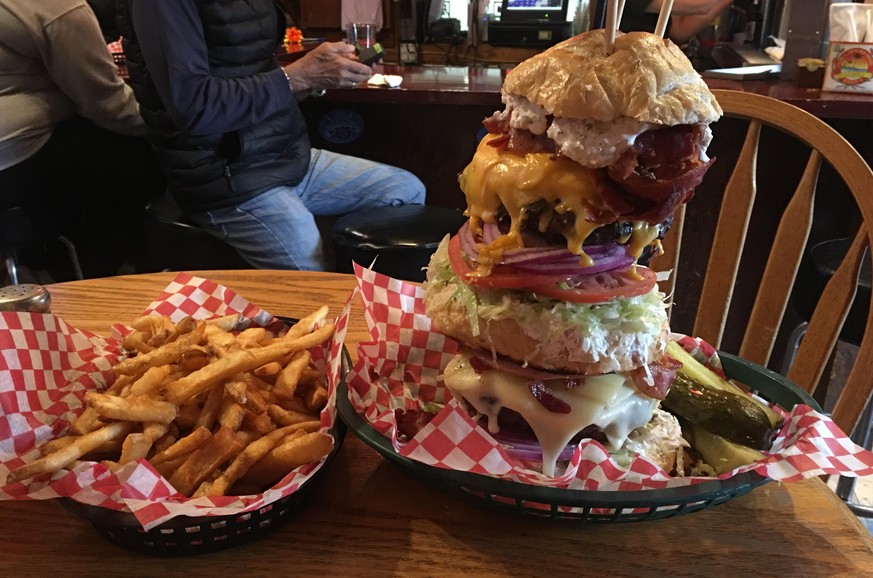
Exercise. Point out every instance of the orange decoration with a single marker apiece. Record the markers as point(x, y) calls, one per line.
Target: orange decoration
point(293, 35)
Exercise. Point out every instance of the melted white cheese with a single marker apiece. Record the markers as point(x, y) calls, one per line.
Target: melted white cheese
point(611, 402)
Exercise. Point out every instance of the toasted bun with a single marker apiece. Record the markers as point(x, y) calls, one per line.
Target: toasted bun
point(646, 78)
point(542, 338)
point(566, 352)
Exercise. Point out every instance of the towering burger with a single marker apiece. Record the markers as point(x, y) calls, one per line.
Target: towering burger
point(563, 327)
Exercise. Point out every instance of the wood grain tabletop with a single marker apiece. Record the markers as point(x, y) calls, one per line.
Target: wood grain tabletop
point(369, 516)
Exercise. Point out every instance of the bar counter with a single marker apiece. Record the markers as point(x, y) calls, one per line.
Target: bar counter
point(476, 85)
point(370, 517)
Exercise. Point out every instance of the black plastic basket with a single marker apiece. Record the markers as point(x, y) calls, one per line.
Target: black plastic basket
point(586, 505)
point(186, 535)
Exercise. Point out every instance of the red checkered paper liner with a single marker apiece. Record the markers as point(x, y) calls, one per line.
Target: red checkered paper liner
point(401, 366)
point(46, 366)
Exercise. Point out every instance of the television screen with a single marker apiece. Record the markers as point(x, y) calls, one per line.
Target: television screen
point(534, 10)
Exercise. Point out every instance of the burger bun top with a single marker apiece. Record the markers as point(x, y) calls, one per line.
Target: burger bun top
point(646, 77)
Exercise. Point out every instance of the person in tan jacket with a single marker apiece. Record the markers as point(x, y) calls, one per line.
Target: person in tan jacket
point(71, 136)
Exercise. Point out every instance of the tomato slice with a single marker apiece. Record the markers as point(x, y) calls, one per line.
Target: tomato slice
point(602, 287)
point(498, 278)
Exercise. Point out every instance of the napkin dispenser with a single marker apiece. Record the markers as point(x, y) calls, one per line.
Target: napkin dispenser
point(850, 50)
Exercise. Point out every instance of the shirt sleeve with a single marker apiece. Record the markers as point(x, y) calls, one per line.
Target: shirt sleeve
point(170, 35)
point(80, 64)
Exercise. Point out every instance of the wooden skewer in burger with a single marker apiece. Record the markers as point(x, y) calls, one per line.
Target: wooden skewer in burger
point(564, 330)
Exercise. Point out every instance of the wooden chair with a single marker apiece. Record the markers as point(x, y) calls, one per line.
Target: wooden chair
point(788, 247)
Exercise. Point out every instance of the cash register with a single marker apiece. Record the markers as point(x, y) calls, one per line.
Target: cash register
point(530, 23)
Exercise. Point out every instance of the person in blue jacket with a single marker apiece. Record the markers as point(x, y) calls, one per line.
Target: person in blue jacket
point(233, 143)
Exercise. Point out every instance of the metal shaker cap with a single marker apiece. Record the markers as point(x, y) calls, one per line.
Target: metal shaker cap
point(25, 297)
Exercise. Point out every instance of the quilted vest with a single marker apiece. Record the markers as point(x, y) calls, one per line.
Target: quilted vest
point(223, 169)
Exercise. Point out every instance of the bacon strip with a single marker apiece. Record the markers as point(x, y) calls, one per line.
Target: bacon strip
point(662, 372)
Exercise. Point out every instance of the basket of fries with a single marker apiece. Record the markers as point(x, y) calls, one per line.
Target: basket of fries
point(184, 535)
point(178, 435)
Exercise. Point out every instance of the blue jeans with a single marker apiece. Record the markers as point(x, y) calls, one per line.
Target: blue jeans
point(277, 230)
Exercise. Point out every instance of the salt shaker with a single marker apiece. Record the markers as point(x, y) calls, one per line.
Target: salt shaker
point(25, 297)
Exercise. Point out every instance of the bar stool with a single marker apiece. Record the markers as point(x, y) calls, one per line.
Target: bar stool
point(815, 270)
point(23, 227)
point(175, 243)
point(400, 239)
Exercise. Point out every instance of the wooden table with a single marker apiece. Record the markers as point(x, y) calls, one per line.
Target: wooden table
point(370, 517)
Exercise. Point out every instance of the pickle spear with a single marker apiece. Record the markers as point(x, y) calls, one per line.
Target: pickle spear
point(721, 454)
point(698, 372)
point(733, 416)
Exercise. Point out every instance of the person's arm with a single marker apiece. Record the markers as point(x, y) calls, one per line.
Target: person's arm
point(683, 28)
point(80, 64)
point(170, 35)
point(688, 17)
point(329, 65)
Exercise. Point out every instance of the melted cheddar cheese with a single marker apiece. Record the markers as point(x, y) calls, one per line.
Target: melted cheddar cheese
point(496, 178)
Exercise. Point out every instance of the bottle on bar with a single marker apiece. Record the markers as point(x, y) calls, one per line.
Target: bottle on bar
point(753, 22)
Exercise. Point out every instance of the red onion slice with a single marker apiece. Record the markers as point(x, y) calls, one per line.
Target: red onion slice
point(550, 253)
point(468, 242)
point(490, 232)
point(521, 447)
point(566, 268)
point(546, 253)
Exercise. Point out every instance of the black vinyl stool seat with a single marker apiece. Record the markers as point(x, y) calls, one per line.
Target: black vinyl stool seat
point(400, 239)
point(816, 269)
point(175, 243)
point(814, 273)
point(23, 227)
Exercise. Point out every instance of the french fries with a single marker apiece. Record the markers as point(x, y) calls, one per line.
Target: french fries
point(216, 407)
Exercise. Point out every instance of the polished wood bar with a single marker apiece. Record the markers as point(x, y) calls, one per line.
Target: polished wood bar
point(424, 85)
point(826, 105)
point(370, 517)
point(480, 85)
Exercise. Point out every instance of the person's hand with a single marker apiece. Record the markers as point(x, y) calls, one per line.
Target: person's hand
point(329, 65)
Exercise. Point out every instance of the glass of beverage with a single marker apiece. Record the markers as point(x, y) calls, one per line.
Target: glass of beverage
point(361, 35)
